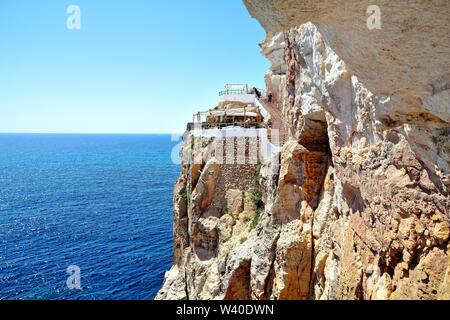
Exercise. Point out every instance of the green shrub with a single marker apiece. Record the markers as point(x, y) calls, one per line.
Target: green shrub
point(243, 240)
point(255, 191)
point(255, 220)
point(256, 196)
point(258, 178)
point(184, 194)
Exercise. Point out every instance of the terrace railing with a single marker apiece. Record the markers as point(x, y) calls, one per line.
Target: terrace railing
point(232, 92)
point(239, 91)
point(207, 125)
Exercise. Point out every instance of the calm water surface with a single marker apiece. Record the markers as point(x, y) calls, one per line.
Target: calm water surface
point(101, 202)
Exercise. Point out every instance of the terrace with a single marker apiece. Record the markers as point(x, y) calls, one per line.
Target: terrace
point(241, 107)
point(239, 93)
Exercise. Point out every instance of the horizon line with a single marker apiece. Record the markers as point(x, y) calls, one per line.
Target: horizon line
point(97, 133)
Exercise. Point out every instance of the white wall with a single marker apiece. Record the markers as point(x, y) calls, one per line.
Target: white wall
point(245, 98)
point(230, 132)
point(263, 110)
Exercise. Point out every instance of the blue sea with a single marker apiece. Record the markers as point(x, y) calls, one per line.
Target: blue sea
point(99, 202)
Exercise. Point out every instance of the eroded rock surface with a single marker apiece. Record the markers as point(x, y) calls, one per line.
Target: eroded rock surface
point(407, 59)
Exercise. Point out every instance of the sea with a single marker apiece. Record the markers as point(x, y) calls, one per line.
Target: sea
point(85, 217)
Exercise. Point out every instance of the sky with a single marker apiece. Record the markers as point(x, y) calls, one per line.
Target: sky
point(135, 66)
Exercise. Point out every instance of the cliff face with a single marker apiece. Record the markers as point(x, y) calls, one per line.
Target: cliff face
point(358, 206)
point(407, 59)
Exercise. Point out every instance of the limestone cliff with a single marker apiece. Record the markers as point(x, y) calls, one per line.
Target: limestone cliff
point(358, 205)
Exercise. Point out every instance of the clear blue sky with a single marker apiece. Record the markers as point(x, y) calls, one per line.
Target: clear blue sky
point(136, 66)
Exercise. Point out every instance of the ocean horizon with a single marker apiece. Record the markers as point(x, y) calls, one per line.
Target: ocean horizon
point(102, 202)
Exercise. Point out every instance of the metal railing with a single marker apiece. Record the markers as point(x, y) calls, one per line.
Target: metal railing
point(207, 125)
point(234, 91)
point(240, 91)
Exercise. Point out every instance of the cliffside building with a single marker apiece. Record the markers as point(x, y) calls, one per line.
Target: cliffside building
point(237, 107)
point(241, 107)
